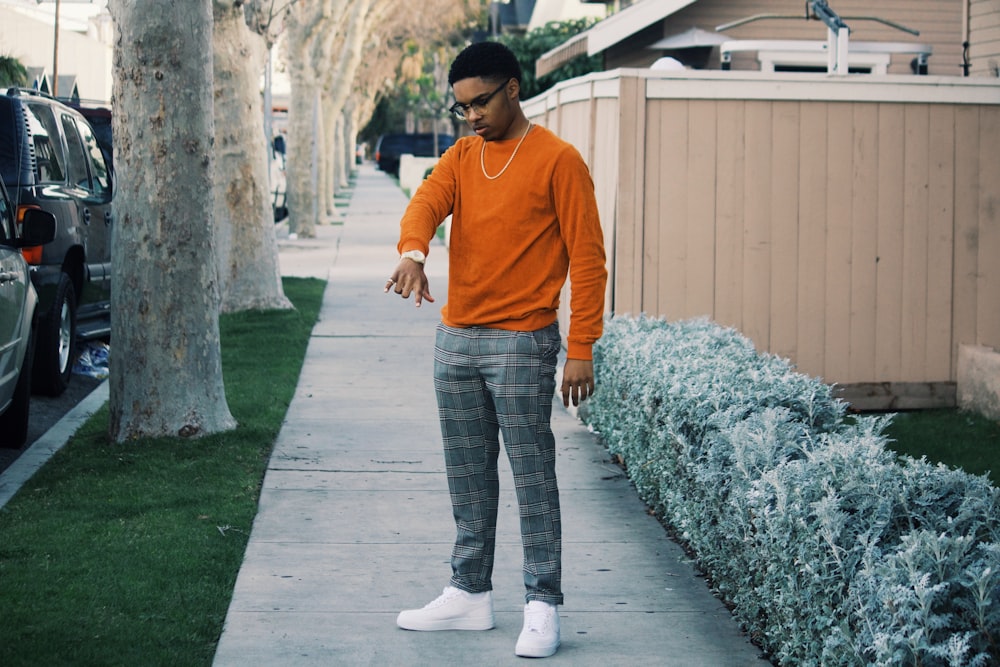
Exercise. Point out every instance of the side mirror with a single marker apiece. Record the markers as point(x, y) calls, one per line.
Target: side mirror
point(38, 227)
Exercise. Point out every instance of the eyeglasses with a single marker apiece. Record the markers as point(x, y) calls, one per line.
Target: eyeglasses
point(478, 105)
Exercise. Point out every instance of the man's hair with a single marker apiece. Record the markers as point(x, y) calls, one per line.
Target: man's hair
point(486, 60)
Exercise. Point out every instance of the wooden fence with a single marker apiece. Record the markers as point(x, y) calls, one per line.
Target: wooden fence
point(850, 224)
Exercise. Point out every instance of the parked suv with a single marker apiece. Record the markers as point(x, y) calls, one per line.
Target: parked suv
point(17, 309)
point(390, 146)
point(50, 160)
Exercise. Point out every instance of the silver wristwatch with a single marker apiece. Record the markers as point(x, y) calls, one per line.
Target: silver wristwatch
point(415, 255)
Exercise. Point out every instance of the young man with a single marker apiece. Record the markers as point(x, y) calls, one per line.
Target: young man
point(523, 216)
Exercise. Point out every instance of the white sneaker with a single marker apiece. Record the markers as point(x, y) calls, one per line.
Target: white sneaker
point(454, 609)
point(540, 635)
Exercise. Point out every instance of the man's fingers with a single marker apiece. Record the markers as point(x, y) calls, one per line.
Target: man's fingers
point(577, 392)
point(404, 287)
point(570, 392)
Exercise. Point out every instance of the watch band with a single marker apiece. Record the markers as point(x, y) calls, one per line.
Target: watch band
point(415, 255)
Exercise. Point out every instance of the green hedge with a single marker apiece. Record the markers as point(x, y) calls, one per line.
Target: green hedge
point(831, 549)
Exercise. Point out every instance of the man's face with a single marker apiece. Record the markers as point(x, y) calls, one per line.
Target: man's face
point(488, 106)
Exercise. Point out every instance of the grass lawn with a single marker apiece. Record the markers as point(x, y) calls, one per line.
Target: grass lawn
point(128, 554)
point(955, 438)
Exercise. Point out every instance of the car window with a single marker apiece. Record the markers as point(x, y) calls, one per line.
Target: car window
point(6, 221)
point(95, 156)
point(76, 162)
point(14, 153)
point(45, 138)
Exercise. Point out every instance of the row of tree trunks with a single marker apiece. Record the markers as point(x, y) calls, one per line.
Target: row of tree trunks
point(194, 232)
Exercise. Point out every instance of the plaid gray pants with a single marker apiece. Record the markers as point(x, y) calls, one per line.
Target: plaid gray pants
point(491, 382)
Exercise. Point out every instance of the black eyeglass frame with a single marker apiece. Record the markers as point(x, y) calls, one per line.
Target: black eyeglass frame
point(478, 105)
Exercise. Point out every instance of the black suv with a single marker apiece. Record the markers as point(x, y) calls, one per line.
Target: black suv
point(50, 159)
point(390, 146)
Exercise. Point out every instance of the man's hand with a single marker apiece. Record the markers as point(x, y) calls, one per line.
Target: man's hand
point(577, 381)
point(409, 278)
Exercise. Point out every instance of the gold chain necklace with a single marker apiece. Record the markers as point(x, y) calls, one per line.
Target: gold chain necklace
point(482, 156)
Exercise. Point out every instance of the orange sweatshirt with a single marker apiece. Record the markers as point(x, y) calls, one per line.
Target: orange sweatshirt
point(513, 239)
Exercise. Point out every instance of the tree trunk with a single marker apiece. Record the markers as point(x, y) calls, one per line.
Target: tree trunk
point(301, 139)
point(351, 132)
point(166, 367)
point(328, 162)
point(249, 273)
point(343, 153)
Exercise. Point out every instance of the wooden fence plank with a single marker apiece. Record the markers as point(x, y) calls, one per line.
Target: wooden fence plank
point(916, 182)
point(889, 244)
point(729, 213)
point(604, 170)
point(629, 197)
point(701, 171)
point(941, 241)
point(756, 237)
point(988, 285)
point(864, 233)
point(674, 189)
point(966, 263)
point(837, 288)
point(784, 228)
point(652, 212)
point(812, 238)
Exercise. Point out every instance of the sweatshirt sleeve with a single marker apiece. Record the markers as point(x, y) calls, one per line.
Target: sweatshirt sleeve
point(430, 205)
point(580, 226)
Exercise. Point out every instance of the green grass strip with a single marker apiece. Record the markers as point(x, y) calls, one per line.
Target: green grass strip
point(956, 438)
point(128, 554)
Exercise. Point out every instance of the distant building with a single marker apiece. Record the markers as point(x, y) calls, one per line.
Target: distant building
point(27, 32)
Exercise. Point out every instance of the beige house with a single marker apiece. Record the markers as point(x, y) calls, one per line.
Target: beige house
point(849, 222)
point(754, 35)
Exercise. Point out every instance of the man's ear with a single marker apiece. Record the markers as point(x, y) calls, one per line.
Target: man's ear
point(514, 86)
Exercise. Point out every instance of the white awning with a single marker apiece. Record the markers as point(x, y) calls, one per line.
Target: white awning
point(690, 39)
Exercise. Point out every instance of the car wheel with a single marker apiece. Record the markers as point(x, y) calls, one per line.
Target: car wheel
point(14, 422)
point(56, 342)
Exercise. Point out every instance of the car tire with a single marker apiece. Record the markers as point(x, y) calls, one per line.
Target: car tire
point(56, 342)
point(14, 422)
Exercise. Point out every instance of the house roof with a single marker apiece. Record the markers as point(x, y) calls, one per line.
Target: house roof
point(609, 32)
point(629, 21)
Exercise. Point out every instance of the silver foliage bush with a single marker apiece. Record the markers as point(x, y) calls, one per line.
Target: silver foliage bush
point(830, 548)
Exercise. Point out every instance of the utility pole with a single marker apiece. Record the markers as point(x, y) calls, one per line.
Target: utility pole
point(55, 43)
point(55, 55)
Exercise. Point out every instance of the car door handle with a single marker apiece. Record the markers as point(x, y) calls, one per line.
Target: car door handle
point(7, 277)
point(86, 216)
point(107, 218)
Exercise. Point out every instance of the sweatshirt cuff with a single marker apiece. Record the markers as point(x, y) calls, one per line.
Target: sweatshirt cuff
point(581, 351)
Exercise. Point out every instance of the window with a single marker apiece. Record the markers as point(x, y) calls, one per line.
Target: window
point(95, 158)
point(6, 221)
point(76, 163)
point(45, 139)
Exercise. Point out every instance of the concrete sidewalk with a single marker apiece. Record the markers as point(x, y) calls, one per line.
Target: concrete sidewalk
point(355, 522)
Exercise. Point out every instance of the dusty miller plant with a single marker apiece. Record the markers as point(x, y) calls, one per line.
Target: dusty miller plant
point(831, 549)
